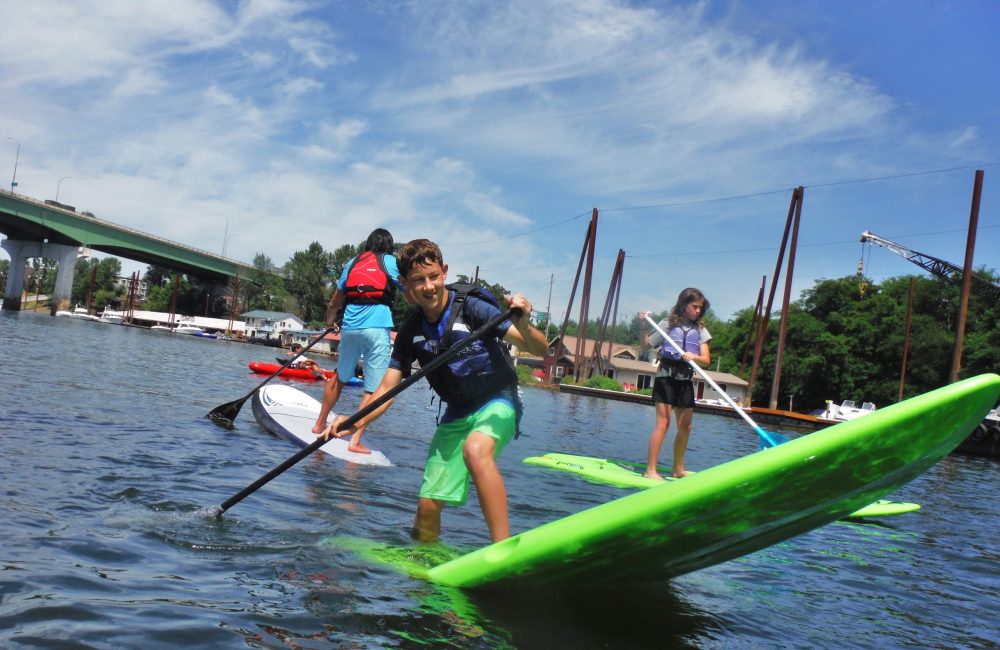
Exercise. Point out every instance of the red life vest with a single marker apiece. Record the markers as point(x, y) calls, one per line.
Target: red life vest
point(368, 282)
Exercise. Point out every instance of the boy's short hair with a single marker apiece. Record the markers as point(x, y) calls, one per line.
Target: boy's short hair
point(296, 347)
point(418, 252)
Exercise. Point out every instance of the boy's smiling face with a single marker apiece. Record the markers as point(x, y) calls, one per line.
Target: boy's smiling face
point(426, 284)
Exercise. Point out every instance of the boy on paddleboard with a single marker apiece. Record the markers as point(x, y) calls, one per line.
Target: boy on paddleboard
point(479, 387)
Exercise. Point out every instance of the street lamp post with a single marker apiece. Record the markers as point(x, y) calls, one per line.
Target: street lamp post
point(226, 237)
point(13, 179)
point(226, 242)
point(64, 178)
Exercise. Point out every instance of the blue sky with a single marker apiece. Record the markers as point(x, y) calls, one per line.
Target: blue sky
point(494, 128)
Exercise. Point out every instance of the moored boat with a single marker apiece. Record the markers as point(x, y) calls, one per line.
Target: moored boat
point(188, 328)
point(113, 316)
point(78, 312)
point(847, 410)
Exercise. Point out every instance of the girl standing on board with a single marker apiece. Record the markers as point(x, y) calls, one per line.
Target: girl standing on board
point(673, 387)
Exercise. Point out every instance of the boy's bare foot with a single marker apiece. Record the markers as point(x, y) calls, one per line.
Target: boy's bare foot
point(680, 474)
point(654, 476)
point(319, 428)
point(358, 448)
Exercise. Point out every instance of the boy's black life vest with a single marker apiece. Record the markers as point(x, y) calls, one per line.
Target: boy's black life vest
point(368, 283)
point(481, 370)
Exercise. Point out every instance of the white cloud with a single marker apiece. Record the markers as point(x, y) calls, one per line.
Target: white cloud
point(47, 41)
point(342, 133)
point(300, 86)
point(463, 122)
point(966, 136)
point(617, 99)
point(486, 210)
point(138, 82)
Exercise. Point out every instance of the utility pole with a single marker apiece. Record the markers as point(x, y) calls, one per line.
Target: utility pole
point(963, 305)
point(548, 307)
point(17, 156)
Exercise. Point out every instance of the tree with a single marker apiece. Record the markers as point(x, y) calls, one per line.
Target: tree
point(159, 296)
point(263, 288)
point(98, 279)
point(309, 279)
point(841, 344)
point(345, 254)
point(40, 275)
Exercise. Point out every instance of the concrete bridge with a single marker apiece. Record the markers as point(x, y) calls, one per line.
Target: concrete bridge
point(55, 231)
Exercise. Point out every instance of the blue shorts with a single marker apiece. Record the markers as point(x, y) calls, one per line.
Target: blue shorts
point(374, 345)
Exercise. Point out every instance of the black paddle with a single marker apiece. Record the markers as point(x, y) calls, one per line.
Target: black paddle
point(224, 414)
point(438, 361)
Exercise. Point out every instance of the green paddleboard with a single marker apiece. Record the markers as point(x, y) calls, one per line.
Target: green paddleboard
point(738, 507)
point(627, 474)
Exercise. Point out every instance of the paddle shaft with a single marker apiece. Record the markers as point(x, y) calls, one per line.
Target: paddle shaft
point(437, 362)
point(764, 435)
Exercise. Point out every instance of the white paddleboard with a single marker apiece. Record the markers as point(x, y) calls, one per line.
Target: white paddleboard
point(290, 414)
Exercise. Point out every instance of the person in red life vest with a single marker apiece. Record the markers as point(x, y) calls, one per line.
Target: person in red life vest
point(673, 387)
point(478, 387)
point(366, 292)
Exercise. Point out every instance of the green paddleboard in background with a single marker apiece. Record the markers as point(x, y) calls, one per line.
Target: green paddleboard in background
point(627, 474)
point(738, 507)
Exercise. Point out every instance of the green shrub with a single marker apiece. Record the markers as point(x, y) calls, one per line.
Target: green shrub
point(569, 380)
point(524, 374)
point(604, 383)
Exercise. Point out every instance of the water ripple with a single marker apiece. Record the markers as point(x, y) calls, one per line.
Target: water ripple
point(112, 477)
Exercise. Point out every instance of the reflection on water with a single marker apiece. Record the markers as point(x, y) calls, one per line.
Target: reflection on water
point(110, 473)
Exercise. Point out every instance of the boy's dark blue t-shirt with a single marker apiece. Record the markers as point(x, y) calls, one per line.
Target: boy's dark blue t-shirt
point(418, 339)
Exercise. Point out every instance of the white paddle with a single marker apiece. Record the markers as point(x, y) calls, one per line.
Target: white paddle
point(767, 438)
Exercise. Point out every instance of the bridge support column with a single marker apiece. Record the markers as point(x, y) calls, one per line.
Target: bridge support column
point(20, 251)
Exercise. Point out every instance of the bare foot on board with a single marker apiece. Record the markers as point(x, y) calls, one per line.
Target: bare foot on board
point(358, 448)
point(679, 474)
point(654, 476)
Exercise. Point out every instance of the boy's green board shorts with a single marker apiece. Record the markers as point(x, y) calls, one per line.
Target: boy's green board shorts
point(446, 478)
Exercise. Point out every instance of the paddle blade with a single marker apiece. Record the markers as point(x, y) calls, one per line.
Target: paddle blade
point(768, 439)
point(224, 414)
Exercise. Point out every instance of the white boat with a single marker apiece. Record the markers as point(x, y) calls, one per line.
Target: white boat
point(112, 316)
point(711, 404)
point(188, 328)
point(181, 327)
point(79, 313)
point(847, 410)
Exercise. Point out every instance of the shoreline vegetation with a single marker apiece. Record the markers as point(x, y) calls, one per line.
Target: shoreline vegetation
point(845, 337)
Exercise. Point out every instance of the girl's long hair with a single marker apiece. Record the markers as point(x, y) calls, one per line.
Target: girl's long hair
point(379, 241)
point(686, 297)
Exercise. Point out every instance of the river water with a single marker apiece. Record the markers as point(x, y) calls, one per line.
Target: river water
point(109, 466)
